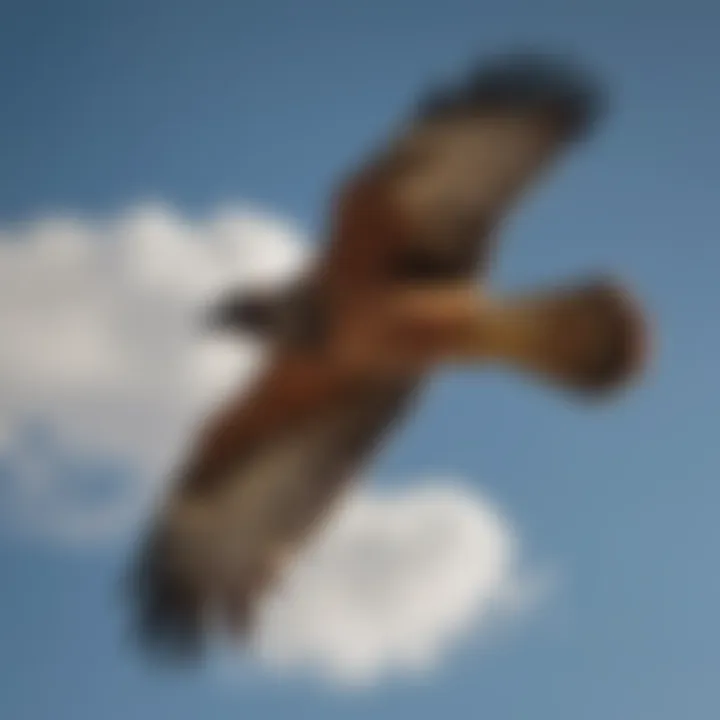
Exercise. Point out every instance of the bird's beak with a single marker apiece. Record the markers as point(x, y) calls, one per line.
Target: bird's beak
point(239, 313)
point(216, 318)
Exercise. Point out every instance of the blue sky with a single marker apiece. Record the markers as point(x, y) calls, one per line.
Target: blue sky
point(105, 104)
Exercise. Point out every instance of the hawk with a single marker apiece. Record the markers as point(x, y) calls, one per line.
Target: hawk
point(394, 295)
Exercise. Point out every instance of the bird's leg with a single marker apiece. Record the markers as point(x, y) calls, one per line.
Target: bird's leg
point(588, 336)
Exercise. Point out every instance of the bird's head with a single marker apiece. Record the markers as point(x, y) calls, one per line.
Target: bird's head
point(252, 312)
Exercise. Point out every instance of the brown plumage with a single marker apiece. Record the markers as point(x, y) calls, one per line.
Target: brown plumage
point(394, 295)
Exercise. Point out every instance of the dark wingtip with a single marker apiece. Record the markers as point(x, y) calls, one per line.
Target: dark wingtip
point(526, 81)
point(167, 619)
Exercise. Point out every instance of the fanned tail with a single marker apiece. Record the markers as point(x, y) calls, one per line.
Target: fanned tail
point(590, 337)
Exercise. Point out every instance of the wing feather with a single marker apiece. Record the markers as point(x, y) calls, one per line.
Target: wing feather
point(243, 509)
point(425, 207)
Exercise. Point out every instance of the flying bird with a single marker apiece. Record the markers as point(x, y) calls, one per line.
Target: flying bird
point(400, 289)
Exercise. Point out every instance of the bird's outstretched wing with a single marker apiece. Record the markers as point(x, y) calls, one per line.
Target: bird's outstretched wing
point(262, 475)
point(425, 206)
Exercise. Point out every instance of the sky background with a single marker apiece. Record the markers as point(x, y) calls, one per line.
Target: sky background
point(104, 104)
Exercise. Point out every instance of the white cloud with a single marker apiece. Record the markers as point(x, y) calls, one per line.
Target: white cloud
point(103, 352)
point(393, 581)
point(104, 367)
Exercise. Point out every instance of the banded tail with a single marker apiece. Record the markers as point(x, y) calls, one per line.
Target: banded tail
point(590, 337)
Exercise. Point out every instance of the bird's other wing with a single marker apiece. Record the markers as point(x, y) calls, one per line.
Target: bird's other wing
point(262, 476)
point(424, 207)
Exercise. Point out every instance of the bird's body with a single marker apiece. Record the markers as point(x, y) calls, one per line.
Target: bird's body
point(394, 295)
